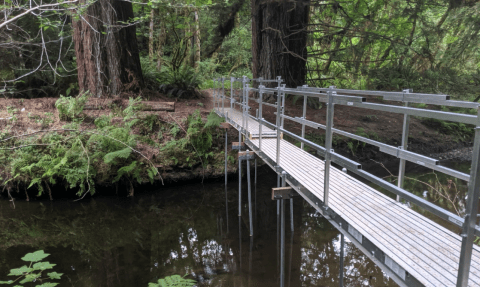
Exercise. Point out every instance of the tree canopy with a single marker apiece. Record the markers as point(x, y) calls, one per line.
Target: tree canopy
point(427, 45)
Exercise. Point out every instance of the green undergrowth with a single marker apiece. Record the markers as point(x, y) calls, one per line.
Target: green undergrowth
point(81, 156)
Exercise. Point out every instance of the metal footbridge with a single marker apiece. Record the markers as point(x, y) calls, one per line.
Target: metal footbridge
point(409, 247)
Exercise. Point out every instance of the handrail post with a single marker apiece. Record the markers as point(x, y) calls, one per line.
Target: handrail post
point(304, 116)
point(405, 131)
point(280, 92)
point(328, 144)
point(283, 106)
point(244, 82)
point(214, 94)
point(260, 116)
point(279, 81)
point(223, 95)
point(468, 229)
point(247, 91)
point(232, 81)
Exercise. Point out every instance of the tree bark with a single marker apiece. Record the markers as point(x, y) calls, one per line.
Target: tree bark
point(107, 52)
point(150, 35)
point(161, 43)
point(197, 40)
point(279, 40)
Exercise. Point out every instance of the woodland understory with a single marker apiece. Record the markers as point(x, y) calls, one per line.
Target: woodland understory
point(127, 51)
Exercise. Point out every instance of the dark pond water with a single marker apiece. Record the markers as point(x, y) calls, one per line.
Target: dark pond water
point(119, 241)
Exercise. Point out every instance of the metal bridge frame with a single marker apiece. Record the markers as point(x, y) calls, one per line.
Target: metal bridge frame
point(332, 96)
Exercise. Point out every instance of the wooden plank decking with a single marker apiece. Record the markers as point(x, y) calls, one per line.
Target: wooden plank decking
point(424, 249)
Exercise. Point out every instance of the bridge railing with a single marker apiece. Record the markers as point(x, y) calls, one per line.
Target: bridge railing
point(332, 96)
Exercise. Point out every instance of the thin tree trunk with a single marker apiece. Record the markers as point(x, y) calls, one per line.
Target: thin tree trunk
point(150, 36)
point(188, 35)
point(161, 42)
point(197, 40)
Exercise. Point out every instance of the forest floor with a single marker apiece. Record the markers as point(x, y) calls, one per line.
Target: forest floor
point(159, 141)
point(20, 117)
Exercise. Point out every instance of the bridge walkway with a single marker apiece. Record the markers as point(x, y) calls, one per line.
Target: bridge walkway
point(409, 247)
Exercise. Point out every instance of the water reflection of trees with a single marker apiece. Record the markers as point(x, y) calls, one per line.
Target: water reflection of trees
point(117, 243)
point(320, 252)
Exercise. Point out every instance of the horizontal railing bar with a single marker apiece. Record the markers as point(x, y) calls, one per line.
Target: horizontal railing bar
point(345, 162)
point(354, 167)
point(380, 93)
point(451, 172)
point(315, 146)
point(459, 104)
point(434, 209)
point(447, 116)
point(270, 91)
point(337, 99)
point(408, 155)
point(268, 124)
point(266, 81)
point(303, 93)
point(399, 153)
point(431, 99)
point(270, 105)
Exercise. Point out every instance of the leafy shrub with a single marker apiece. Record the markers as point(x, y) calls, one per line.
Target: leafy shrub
point(70, 108)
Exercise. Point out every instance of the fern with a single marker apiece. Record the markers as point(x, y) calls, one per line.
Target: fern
point(213, 120)
point(111, 157)
point(71, 107)
point(174, 281)
point(131, 169)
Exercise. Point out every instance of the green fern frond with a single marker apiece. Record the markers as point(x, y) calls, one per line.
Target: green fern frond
point(124, 154)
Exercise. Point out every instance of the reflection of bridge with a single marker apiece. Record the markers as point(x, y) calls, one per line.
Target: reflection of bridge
point(410, 248)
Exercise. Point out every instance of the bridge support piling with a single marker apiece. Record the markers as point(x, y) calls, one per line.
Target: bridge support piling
point(249, 197)
point(342, 247)
point(239, 176)
point(284, 184)
point(226, 173)
point(278, 224)
point(282, 244)
point(255, 188)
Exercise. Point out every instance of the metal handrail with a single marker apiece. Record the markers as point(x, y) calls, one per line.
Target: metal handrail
point(421, 98)
point(333, 96)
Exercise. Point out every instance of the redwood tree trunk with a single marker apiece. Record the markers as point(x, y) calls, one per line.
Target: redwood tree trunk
point(107, 52)
point(279, 40)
